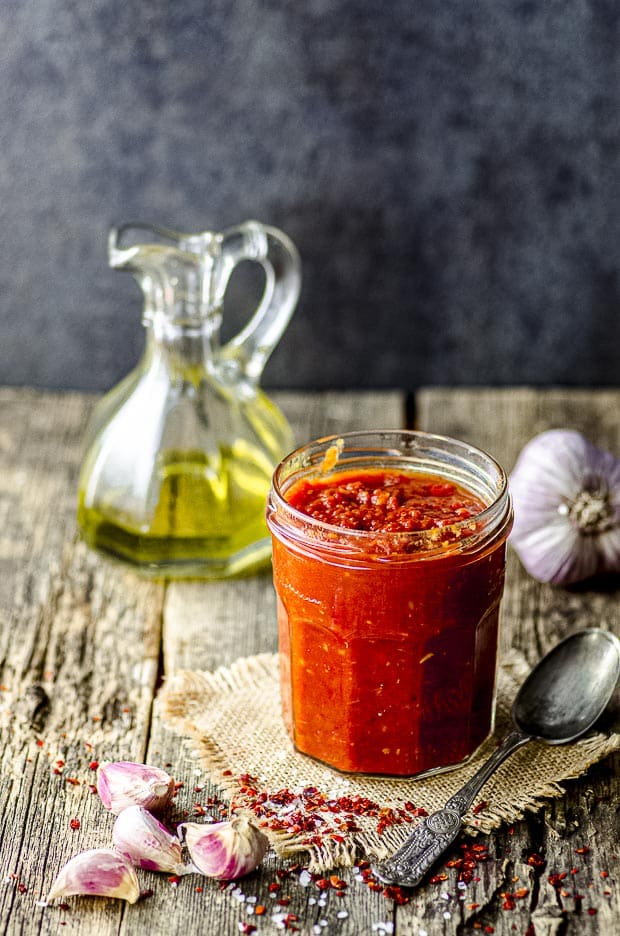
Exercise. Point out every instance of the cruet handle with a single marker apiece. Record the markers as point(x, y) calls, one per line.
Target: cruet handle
point(278, 257)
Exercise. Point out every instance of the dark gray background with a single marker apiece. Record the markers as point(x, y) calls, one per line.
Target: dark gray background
point(448, 170)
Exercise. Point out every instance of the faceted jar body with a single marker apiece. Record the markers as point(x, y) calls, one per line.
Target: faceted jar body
point(388, 641)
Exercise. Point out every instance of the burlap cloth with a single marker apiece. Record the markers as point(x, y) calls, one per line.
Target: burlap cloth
point(233, 720)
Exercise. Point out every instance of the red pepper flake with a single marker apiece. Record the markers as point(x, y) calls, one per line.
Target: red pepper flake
point(274, 887)
point(174, 879)
point(64, 906)
point(60, 763)
point(604, 874)
point(145, 894)
point(284, 901)
point(72, 780)
point(247, 928)
point(592, 911)
point(337, 883)
point(508, 903)
point(438, 878)
point(178, 784)
point(479, 807)
point(417, 811)
point(397, 894)
point(473, 906)
point(535, 860)
point(583, 850)
point(199, 889)
point(94, 764)
point(489, 929)
point(574, 870)
point(521, 893)
point(39, 742)
point(22, 888)
point(96, 718)
point(75, 824)
point(259, 910)
point(227, 773)
point(556, 879)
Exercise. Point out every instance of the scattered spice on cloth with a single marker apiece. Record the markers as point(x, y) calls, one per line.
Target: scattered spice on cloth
point(233, 719)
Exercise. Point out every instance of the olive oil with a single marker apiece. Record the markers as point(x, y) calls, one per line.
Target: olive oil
point(201, 507)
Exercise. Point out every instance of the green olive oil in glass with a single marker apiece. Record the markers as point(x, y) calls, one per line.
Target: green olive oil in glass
point(180, 454)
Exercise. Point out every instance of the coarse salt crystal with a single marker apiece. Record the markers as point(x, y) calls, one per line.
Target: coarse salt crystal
point(305, 878)
point(342, 914)
point(447, 915)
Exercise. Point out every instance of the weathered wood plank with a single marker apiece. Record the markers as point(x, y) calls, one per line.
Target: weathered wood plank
point(210, 624)
point(79, 648)
point(535, 617)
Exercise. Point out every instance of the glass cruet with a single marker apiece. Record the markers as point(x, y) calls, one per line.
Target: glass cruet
point(179, 455)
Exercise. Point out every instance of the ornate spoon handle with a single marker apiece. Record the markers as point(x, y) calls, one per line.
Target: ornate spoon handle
point(435, 833)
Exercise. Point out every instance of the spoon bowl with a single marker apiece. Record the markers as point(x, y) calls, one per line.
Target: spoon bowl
point(569, 689)
point(563, 696)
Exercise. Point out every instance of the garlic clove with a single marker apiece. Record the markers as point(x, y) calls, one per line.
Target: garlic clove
point(142, 838)
point(225, 850)
point(99, 872)
point(122, 783)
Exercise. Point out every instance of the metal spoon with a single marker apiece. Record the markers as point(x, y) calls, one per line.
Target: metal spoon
point(560, 699)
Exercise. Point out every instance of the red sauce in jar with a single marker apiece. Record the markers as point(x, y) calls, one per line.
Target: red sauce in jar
point(384, 501)
point(388, 656)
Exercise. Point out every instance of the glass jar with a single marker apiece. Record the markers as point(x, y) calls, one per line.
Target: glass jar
point(388, 640)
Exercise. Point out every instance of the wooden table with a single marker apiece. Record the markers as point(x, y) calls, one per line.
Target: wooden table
point(84, 644)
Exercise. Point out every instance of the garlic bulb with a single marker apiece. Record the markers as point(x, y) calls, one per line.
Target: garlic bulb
point(101, 872)
point(146, 842)
point(225, 850)
point(566, 495)
point(121, 784)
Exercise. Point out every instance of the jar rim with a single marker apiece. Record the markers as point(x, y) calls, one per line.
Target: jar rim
point(416, 441)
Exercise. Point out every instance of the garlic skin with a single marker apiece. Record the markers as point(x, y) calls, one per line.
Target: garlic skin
point(122, 783)
point(566, 495)
point(99, 872)
point(225, 850)
point(142, 838)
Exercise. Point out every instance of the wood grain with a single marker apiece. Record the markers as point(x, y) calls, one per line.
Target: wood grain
point(84, 643)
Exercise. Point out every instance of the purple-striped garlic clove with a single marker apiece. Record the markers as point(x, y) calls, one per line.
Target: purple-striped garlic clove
point(142, 838)
point(99, 872)
point(122, 783)
point(225, 850)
